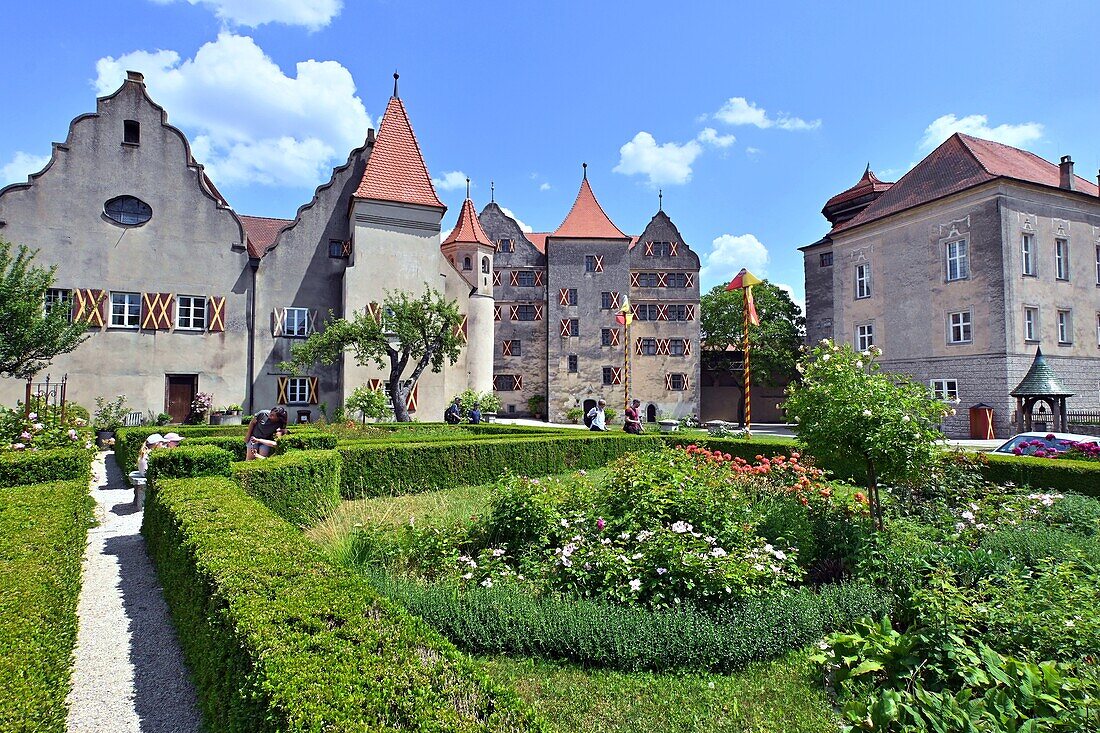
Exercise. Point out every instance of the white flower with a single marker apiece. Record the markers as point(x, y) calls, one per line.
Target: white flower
point(867, 413)
point(681, 527)
point(636, 556)
point(498, 552)
point(488, 583)
point(565, 522)
point(635, 585)
point(968, 516)
point(859, 364)
point(709, 540)
point(644, 535)
point(780, 555)
point(718, 552)
point(905, 418)
point(758, 567)
point(662, 571)
point(865, 353)
point(605, 541)
point(826, 357)
point(624, 536)
point(797, 419)
point(825, 342)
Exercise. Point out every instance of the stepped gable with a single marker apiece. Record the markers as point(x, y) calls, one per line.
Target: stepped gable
point(587, 220)
point(261, 232)
point(395, 170)
point(468, 229)
point(959, 163)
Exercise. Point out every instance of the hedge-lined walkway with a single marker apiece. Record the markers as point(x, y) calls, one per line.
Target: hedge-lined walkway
point(129, 674)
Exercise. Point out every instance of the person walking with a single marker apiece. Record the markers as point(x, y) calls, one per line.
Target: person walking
point(633, 422)
point(264, 429)
point(597, 418)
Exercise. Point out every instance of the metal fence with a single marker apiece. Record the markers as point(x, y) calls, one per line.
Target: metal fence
point(46, 400)
point(1083, 417)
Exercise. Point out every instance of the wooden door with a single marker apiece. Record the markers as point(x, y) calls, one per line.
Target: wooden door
point(179, 393)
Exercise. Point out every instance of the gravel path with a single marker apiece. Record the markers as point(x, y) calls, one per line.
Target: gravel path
point(129, 675)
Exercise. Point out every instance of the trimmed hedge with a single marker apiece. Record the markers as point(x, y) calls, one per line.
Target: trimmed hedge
point(43, 530)
point(1058, 474)
point(128, 441)
point(301, 487)
point(277, 639)
point(187, 461)
point(22, 468)
point(377, 469)
point(233, 443)
point(305, 440)
point(507, 621)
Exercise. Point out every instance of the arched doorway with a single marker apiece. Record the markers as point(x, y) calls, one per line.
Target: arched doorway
point(651, 413)
point(588, 405)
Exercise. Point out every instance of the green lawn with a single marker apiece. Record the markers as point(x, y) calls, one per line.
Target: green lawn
point(774, 697)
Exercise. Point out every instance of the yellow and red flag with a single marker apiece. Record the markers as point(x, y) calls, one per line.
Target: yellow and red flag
point(744, 281)
point(625, 314)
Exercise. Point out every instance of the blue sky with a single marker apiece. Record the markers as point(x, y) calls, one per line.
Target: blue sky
point(748, 118)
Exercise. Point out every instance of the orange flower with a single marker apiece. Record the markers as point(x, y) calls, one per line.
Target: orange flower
point(860, 497)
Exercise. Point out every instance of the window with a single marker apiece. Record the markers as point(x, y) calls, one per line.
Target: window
point(1031, 324)
point(677, 382)
point(507, 383)
point(649, 347)
point(605, 337)
point(865, 336)
point(337, 249)
point(525, 312)
point(131, 132)
point(658, 249)
point(297, 391)
point(647, 279)
point(863, 281)
point(826, 259)
point(127, 210)
point(511, 408)
point(605, 297)
point(1098, 329)
point(62, 299)
point(676, 280)
point(959, 328)
point(191, 312)
point(1098, 264)
point(125, 310)
point(515, 347)
point(295, 321)
point(593, 263)
point(677, 347)
point(609, 375)
point(1027, 248)
point(958, 260)
point(1065, 327)
point(525, 278)
point(506, 245)
point(1061, 259)
point(572, 360)
point(945, 389)
point(647, 312)
point(571, 296)
point(678, 312)
point(467, 264)
point(485, 267)
point(574, 327)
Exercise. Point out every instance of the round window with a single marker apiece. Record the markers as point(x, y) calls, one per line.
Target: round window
point(127, 210)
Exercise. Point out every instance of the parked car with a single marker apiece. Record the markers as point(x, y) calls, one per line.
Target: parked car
point(1029, 443)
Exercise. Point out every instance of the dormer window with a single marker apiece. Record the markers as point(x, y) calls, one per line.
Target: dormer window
point(131, 132)
point(128, 210)
point(467, 265)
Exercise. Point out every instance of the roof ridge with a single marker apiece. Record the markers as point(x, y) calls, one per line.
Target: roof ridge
point(271, 218)
point(583, 219)
point(964, 139)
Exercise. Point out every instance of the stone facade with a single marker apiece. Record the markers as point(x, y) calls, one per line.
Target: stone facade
point(950, 296)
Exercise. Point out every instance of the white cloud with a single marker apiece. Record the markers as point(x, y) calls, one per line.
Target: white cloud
point(523, 227)
point(662, 164)
point(21, 166)
point(797, 296)
point(450, 181)
point(728, 254)
point(751, 152)
point(313, 14)
point(978, 126)
point(250, 122)
point(740, 111)
point(544, 186)
point(710, 136)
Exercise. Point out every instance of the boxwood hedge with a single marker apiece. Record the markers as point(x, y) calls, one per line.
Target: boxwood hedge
point(1057, 474)
point(188, 460)
point(43, 530)
point(21, 468)
point(301, 486)
point(277, 639)
point(128, 441)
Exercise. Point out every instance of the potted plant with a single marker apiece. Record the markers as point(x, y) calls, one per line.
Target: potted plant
point(233, 409)
point(230, 415)
point(201, 405)
point(108, 418)
point(574, 415)
point(535, 405)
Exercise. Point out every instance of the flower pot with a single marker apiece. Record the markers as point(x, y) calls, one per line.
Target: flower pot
point(668, 426)
point(231, 419)
point(103, 437)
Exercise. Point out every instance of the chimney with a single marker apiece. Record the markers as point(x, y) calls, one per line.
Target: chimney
point(370, 136)
point(135, 76)
point(1065, 170)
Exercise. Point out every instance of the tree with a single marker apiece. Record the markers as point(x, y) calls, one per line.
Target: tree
point(30, 337)
point(420, 332)
point(368, 402)
point(847, 408)
point(774, 344)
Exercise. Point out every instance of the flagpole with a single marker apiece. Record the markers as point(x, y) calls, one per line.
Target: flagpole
point(626, 359)
point(745, 293)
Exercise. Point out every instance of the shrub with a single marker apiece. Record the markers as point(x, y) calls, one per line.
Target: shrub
point(369, 403)
point(128, 441)
point(43, 529)
point(306, 440)
point(1081, 477)
point(34, 467)
point(503, 620)
point(195, 460)
point(487, 401)
point(301, 487)
point(277, 639)
point(233, 443)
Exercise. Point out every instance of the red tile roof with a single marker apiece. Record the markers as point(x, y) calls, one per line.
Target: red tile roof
point(868, 183)
point(962, 162)
point(468, 229)
point(587, 220)
point(395, 170)
point(261, 231)
point(538, 239)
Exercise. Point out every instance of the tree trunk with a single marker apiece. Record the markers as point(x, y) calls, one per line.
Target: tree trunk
point(873, 496)
point(399, 395)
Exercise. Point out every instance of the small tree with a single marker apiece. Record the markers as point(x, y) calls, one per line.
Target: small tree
point(488, 401)
point(30, 338)
point(369, 403)
point(846, 407)
point(418, 332)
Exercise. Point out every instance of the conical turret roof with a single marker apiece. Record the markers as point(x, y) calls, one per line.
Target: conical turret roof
point(1040, 380)
point(587, 220)
point(468, 229)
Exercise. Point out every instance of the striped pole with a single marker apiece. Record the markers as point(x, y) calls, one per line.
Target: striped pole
point(626, 360)
point(748, 372)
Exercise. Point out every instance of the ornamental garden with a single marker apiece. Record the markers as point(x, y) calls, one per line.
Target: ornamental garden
point(413, 576)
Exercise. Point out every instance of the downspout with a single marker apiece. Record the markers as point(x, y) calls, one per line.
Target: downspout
point(254, 265)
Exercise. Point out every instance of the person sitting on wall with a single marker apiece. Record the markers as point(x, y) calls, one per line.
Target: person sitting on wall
point(263, 431)
point(633, 423)
point(598, 420)
point(475, 414)
point(172, 440)
point(453, 415)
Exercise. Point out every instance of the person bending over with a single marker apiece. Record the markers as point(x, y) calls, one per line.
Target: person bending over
point(263, 431)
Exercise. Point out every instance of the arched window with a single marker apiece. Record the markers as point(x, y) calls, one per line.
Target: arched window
point(651, 413)
point(128, 210)
point(466, 264)
point(485, 265)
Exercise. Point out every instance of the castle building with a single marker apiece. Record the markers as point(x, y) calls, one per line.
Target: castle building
point(183, 295)
point(961, 269)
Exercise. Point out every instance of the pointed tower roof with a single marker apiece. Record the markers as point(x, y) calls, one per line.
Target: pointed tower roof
point(587, 220)
point(395, 170)
point(468, 229)
point(1040, 380)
